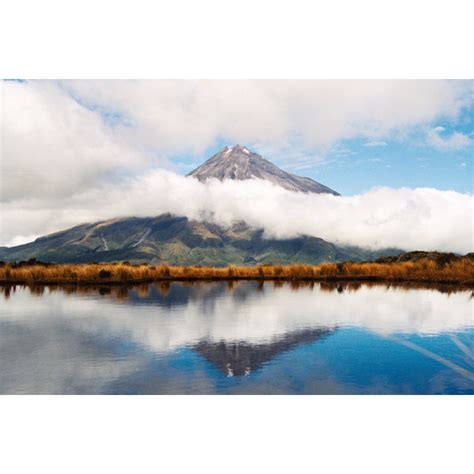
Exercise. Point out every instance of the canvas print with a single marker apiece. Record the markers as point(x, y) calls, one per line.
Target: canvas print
point(236, 237)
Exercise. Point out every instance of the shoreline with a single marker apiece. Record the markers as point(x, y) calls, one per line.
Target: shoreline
point(133, 283)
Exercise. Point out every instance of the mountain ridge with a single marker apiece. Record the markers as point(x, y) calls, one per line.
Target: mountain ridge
point(240, 163)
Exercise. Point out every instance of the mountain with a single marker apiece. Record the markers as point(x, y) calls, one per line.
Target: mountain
point(180, 241)
point(238, 162)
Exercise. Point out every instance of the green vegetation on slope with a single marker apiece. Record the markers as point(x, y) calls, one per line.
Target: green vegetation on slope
point(179, 241)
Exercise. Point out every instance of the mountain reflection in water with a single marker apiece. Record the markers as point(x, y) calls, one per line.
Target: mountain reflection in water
point(237, 337)
point(240, 358)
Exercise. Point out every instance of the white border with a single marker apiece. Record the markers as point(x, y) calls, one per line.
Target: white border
point(379, 434)
point(246, 39)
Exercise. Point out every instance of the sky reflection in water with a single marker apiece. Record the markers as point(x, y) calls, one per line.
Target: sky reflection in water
point(245, 337)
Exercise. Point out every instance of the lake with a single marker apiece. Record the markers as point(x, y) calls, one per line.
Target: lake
point(237, 338)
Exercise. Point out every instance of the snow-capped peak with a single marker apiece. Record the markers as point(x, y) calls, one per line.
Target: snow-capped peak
point(239, 163)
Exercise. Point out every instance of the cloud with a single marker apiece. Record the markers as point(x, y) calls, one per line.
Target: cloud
point(52, 146)
point(375, 143)
point(192, 115)
point(456, 141)
point(426, 219)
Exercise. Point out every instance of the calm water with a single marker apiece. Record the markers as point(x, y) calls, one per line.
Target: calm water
point(245, 338)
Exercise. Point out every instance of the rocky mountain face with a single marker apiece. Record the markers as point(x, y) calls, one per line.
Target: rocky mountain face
point(238, 162)
point(180, 241)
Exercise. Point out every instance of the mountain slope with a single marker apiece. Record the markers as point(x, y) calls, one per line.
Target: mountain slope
point(239, 163)
point(179, 241)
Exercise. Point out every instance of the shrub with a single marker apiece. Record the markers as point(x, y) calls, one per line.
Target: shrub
point(105, 274)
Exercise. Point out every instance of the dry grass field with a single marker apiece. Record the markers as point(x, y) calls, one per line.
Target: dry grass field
point(459, 271)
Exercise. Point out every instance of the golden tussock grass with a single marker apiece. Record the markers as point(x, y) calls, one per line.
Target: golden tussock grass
point(424, 270)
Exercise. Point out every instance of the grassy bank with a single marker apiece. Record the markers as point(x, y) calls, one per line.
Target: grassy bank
point(458, 271)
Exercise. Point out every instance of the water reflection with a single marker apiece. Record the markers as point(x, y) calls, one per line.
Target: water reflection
point(237, 337)
point(241, 358)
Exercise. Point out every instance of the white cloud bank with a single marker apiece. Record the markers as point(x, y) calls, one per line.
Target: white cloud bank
point(51, 146)
point(426, 219)
point(191, 115)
